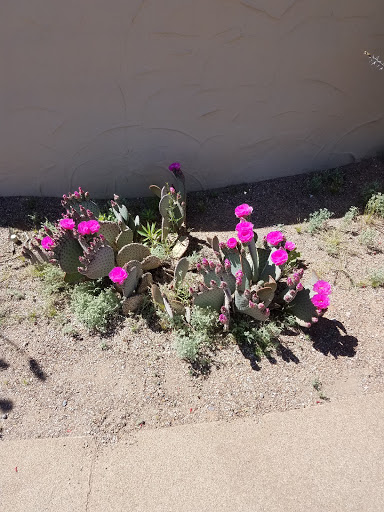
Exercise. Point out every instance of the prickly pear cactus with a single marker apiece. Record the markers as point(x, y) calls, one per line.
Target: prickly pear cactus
point(80, 198)
point(130, 252)
point(66, 251)
point(98, 260)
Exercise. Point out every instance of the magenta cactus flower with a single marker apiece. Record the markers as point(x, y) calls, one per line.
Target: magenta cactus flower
point(289, 246)
point(243, 224)
point(231, 243)
point(47, 243)
point(93, 226)
point(83, 228)
point(275, 237)
point(245, 235)
point(172, 190)
point(67, 223)
point(118, 275)
point(175, 167)
point(279, 257)
point(322, 287)
point(223, 319)
point(243, 210)
point(320, 300)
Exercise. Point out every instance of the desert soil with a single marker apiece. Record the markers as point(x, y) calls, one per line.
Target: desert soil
point(53, 384)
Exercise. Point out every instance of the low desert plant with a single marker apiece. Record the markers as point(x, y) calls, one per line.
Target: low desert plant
point(318, 220)
point(369, 237)
point(94, 306)
point(350, 216)
point(261, 339)
point(376, 277)
point(375, 206)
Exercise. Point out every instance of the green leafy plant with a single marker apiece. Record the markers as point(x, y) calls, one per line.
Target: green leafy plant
point(375, 206)
point(376, 277)
point(370, 189)
point(151, 234)
point(94, 306)
point(318, 220)
point(260, 339)
point(331, 181)
point(369, 238)
point(350, 216)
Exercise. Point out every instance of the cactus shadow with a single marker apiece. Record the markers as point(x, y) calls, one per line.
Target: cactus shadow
point(6, 405)
point(330, 338)
point(286, 354)
point(249, 353)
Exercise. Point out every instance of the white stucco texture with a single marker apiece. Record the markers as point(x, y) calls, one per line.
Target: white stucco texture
point(107, 93)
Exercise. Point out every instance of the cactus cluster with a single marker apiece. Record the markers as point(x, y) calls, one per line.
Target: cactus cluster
point(249, 280)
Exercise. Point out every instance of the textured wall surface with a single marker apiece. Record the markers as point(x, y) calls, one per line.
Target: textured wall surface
point(106, 93)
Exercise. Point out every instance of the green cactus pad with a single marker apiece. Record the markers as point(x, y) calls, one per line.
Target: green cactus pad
point(181, 269)
point(209, 298)
point(130, 284)
point(156, 190)
point(253, 259)
point(214, 243)
point(270, 269)
point(110, 231)
point(102, 262)
point(242, 305)
point(164, 205)
point(88, 205)
point(302, 307)
point(124, 238)
point(134, 263)
point(151, 262)
point(67, 253)
point(157, 296)
point(180, 247)
point(210, 275)
point(73, 278)
point(132, 252)
point(233, 256)
point(267, 293)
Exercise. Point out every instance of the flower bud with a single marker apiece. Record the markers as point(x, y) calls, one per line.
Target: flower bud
point(213, 283)
point(211, 265)
point(224, 310)
point(261, 306)
point(218, 269)
point(223, 285)
point(315, 319)
point(267, 312)
point(198, 267)
point(222, 245)
point(247, 294)
point(227, 264)
point(289, 282)
point(204, 262)
point(299, 287)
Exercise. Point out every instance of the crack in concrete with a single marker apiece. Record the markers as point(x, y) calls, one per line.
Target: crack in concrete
point(90, 479)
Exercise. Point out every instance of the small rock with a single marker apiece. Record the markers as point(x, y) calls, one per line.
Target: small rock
point(5, 416)
point(64, 403)
point(261, 395)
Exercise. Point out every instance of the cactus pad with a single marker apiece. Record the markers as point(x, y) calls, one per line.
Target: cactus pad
point(110, 231)
point(67, 251)
point(99, 261)
point(209, 298)
point(180, 271)
point(124, 238)
point(180, 247)
point(302, 308)
point(151, 262)
point(130, 284)
point(132, 252)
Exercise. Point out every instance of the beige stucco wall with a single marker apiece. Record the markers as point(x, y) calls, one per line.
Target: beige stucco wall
point(106, 93)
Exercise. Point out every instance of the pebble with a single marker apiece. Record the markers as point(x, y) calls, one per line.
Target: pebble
point(5, 416)
point(64, 403)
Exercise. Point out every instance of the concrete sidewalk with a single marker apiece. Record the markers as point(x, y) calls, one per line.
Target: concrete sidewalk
point(325, 458)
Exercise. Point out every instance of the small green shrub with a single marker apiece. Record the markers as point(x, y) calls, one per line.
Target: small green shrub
point(369, 238)
point(375, 206)
point(93, 306)
point(262, 339)
point(318, 220)
point(371, 189)
point(191, 340)
point(376, 277)
point(52, 277)
point(331, 181)
point(349, 217)
point(151, 234)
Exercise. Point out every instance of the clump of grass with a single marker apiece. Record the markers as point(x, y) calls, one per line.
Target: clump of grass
point(369, 238)
point(318, 220)
point(94, 306)
point(376, 277)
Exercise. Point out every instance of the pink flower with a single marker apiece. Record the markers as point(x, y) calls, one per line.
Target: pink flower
point(290, 246)
point(118, 275)
point(231, 243)
point(299, 287)
point(320, 300)
point(239, 274)
point(244, 225)
point(322, 287)
point(172, 190)
point(245, 235)
point(279, 257)
point(47, 243)
point(274, 237)
point(243, 210)
point(67, 223)
point(83, 228)
point(93, 226)
point(223, 319)
point(175, 167)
